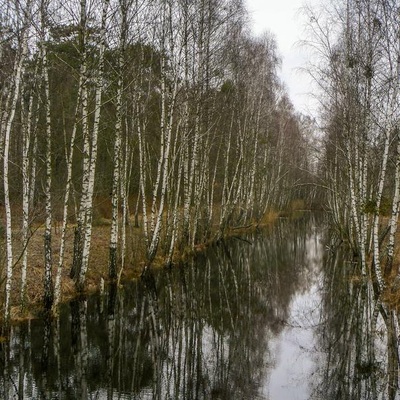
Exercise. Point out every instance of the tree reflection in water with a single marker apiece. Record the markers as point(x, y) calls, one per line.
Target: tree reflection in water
point(205, 331)
point(359, 356)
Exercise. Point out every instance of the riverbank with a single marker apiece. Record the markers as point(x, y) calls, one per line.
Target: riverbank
point(97, 274)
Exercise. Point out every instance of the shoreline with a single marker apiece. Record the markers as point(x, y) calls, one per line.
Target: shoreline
point(97, 276)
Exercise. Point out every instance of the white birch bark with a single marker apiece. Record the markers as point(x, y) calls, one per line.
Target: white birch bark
point(192, 172)
point(376, 221)
point(393, 54)
point(163, 120)
point(355, 202)
point(168, 102)
point(161, 159)
point(235, 186)
point(175, 212)
point(48, 261)
point(25, 201)
point(187, 198)
point(368, 131)
point(127, 161)
point(163, 192)
point(225, 189)
point(212, 189)
point(89, 188)
point(142, 178)
point(29, 118)
point(19, 70)
point(81, 212)
point(250, 199)
point(112, 270)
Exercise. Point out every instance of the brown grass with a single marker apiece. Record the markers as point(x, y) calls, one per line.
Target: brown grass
point(270, 217)
point(98, 262)
point(297, 205)
point(35, 273)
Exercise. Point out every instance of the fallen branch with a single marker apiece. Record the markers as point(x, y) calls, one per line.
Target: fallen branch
point(242, 227)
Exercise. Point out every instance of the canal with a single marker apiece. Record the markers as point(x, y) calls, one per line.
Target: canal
point(279, 314)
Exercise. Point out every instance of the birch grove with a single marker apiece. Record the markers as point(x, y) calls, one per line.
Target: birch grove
point(358, 73)
point(170, 108)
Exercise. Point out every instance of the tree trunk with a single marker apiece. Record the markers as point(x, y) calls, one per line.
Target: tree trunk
point(48, 263)
point(15, 93)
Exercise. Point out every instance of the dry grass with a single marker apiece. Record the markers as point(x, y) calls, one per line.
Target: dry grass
point(270, 217)
point(297, 205)
point(392, 299)
point(98, 267)
point(392, 294)
point(98, 262)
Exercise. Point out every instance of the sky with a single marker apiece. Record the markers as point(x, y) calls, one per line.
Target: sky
point(283, 19)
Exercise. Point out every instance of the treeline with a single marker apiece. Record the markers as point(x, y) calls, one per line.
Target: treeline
point(357, 68)
point(170, 103)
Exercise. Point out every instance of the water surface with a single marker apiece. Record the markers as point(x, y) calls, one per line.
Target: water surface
point(273, 316)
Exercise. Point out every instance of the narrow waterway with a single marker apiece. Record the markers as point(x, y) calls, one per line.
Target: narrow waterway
point(274, 316)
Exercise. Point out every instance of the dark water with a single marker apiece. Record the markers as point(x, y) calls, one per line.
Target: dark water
point(276, 316)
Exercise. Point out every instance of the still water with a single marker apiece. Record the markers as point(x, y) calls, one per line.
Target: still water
point(278, 315)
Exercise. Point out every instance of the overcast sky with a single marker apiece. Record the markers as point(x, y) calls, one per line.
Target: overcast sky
point(283, 19)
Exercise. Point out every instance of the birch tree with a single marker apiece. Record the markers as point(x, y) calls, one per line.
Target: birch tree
point(29, 117)
point(8, 116)
point(168, 101)
point(48, 261)
point(178, 108)
point(117, 151)
point(69, 155)
point(83, 234)
point(392, 52)
point(362, 96)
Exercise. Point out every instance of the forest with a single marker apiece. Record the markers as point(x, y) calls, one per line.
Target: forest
point(134, 132)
